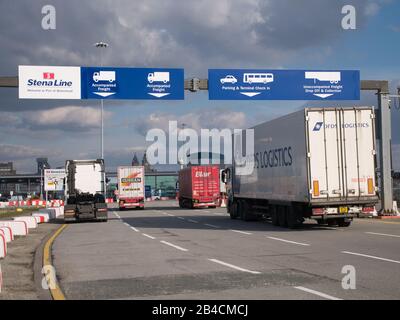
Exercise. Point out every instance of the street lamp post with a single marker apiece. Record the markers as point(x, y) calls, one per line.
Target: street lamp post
point(101, 45)
point(42, 183)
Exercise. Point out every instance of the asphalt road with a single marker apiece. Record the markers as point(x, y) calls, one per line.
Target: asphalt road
point(164, 252)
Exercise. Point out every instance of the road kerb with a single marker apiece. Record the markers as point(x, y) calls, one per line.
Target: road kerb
point(56, 293)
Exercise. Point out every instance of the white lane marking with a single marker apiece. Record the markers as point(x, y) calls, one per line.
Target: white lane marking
point(211, 225)
point(384, 234)
point(288, 241)
point(174, 246)
point(134, 229)
point(148, 236)
point(218, 214)
point(372, 257)
point(194, 221)
point(233, 266)
point(182, 218)
point(206, 211)
point(127, 224)
point(167, 214)
point(323, 295)
point(243, 232)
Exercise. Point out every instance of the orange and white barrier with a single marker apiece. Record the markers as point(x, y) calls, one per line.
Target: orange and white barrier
point(30, 221)
point(32, 203)
point(38, 202)
point(7, 233)
point(43, 216)
point(38, 220)
point(50, 211)
point(3, 246)
point(54, 212)
point(19, 228)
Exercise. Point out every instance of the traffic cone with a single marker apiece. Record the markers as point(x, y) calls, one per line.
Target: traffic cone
point(223, 203)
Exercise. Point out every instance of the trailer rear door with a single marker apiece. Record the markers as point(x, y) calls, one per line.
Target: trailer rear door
point(325, 163)
point(358, 141)
point(341, 153)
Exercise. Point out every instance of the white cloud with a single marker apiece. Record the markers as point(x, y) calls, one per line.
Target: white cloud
point(371, 9)
point(198, 119)
point(9, 152)
point(66, 118)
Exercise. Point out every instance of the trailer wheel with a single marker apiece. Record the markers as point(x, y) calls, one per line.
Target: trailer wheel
point(332, 222)
point(233, 211)
point(274, 216)
point(344, 224)
point(292, 218)
point(245, 211)
point(281, 211)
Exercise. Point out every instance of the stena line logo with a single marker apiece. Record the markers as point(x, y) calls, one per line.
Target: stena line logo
point(48, 75)
point(49, 82)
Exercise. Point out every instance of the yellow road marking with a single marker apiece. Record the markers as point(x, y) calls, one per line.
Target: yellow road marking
point(56, 293)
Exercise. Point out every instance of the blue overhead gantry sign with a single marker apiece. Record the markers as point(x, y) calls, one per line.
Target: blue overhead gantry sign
point(132, 83)
point(240, 84)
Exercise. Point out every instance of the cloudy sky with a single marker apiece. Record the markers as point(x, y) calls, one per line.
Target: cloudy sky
point(194, 35)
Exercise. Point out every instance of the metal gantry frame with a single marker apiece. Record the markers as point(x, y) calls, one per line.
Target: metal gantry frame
point(384, 128)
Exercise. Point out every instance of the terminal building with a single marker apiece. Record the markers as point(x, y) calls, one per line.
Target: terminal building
point(161, 183)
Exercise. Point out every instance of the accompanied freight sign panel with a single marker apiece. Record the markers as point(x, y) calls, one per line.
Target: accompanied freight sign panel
point(49, 82)
point(239, 84)
point(54, 179)
point(132, 83)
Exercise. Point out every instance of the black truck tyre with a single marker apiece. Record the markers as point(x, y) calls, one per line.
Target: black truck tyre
point(343, 223)
point(233, 210)
point(281, 211)
point(292, 218)
point(246, 212)
point(274, 216)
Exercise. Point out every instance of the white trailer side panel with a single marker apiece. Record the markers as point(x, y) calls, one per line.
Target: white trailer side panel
point(131, 182)
point(317, 155)
point(280, 168)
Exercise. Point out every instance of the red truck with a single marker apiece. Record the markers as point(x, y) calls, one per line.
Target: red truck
point(199, 186)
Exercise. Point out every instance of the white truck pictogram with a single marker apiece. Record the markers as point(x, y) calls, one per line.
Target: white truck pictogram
point(332, 77)
point(104, 76)
point(158, 77)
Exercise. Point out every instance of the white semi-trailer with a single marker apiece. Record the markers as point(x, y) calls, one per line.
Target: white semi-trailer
point(131, 187)
point(317, 163)
point(84, 191)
